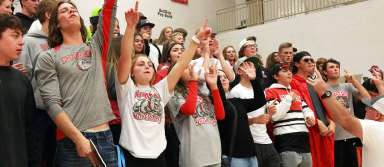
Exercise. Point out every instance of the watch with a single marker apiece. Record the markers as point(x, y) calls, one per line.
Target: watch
point(326, 94)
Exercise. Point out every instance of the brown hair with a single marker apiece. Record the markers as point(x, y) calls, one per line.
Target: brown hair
point(162, 37)
point(167, 47)
point(134, 36)
point(45, 6)
point(225, 53)
point(182, 31)
point(10, 22)
point(271, 60)
point(55, 37)
point(284, 45)
point(134, 60)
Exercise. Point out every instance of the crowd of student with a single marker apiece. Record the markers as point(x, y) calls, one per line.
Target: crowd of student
point(64, 86)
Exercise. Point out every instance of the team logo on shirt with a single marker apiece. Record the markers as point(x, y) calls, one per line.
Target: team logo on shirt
point(148, 106)
point(205, 113)
point(83, 59)
point(342, 97)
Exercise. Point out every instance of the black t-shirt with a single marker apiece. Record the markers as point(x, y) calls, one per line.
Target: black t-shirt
point(16, 106)
point(236, 108)
point(25, 20)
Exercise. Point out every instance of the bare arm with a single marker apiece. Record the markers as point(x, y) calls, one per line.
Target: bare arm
point(363, 93)
point(186, 57)
point(338, 112)
point(379, 85)
point(65, 124)
point(227, 69)
point(125, 60)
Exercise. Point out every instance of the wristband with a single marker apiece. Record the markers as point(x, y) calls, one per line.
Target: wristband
point(195, 40)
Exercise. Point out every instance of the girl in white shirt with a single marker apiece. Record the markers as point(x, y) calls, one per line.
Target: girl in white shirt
point(142, 104)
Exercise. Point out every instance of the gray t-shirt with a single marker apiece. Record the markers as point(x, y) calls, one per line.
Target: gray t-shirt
point(71, 77)
point(344, 93)
point(198, 134)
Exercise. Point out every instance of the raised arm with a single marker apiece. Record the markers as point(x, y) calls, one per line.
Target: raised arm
point(211, 78)
point(379, 85)
point(189, 106)
point(105, 26)
point(187, 56)
point(125, 60)
point(363, 93)
point(226, 67)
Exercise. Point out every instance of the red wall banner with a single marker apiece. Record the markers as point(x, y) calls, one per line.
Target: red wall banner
point(181, 1)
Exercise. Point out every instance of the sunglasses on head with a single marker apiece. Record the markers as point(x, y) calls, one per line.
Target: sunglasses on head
point(307, 60)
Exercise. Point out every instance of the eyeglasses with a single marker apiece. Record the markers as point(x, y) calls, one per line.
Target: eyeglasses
point(250, 45)
point(308, 60)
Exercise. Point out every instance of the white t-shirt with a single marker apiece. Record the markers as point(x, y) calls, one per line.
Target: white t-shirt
point(142, 118)
point(198, 67)
point(258, 131)
point(373, 148)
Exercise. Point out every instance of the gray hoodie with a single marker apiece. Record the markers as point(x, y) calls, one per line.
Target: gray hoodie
point(35, 43)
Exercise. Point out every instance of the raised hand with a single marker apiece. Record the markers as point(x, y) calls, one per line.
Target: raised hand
point(376, 72)
point(318, 83)
point(249, 69)
point(211, 77)
point(204, 46)
point(348, 77)
point(204, 31)
point(190, 74)
point(216, 48)
point(132, 15)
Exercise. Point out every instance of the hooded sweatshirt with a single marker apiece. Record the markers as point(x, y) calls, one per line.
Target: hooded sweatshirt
point(35, 43)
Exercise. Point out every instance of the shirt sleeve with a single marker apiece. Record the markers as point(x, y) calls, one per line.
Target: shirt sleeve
point(25, 58)
point(122, 90)
point(162, 88)
point(189, 106)
point(48, 83)
point(218, 105)
point(353, 90)
point(105, 25)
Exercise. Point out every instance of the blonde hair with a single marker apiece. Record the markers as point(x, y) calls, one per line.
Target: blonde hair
point(134, 60)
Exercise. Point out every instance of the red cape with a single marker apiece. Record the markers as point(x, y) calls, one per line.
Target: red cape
point(322, 147)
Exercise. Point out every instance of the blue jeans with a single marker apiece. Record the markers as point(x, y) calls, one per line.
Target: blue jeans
point(66, 153)
point(243, 162)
